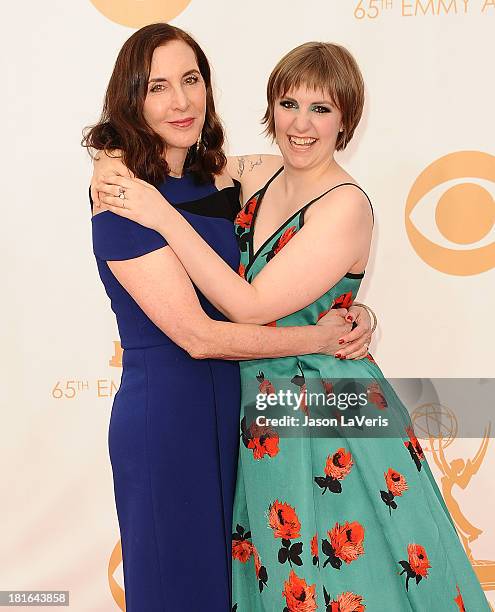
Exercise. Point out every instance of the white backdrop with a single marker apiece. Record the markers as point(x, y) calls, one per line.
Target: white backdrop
point(428, 67)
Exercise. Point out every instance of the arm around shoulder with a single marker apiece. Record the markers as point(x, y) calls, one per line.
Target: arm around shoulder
point(175, 309)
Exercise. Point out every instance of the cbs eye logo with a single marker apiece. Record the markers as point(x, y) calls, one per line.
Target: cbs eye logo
point(138, 13)
point(461, 240)
point(114, 564)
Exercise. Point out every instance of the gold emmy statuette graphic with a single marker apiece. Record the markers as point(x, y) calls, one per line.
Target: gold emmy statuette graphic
point(465, 213)
point(116, 360)
point(438, 424)
point(115, 588)
point(138, 13)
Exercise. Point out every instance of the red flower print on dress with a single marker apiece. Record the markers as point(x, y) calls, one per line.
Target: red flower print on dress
point(243, 549)
point(262, 440)
point(345, 602)
point(414, 448)
point(265, 386)
point(314, 550)
point(289, 233)
point(284, 239)
point(458, 600)
point(245, 215)
point(376, 396)
point(339, 464)
point(417, 565)
point(396, 485)
point(346, 544)
point(370, 358)
point(282, 518)
point(337, 468)
point(272, 324)
point(299, 596)
point(418, 559)
point(243, 224)
point(242, 270)
point(343, 301)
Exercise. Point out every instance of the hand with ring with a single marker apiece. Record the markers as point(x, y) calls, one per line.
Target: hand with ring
point(133, 198)
point(122, 196)
point(106, 163)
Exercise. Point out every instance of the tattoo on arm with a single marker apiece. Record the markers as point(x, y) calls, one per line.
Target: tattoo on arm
point(252, 164)
point(257, 162)
point(242, 162)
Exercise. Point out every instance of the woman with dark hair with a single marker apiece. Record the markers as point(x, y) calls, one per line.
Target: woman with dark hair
point(173, 434)
point(348, 516)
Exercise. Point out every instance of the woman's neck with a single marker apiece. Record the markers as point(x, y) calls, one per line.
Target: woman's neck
point(299, 179)
point(175, 159)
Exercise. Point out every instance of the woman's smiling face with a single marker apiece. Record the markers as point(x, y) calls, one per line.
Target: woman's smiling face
point(307, 124)
point(175, 103)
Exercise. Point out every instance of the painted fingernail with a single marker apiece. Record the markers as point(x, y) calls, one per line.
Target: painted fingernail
point(338, 356)
point(343, 357)
point(341, 341)
point(349, 318)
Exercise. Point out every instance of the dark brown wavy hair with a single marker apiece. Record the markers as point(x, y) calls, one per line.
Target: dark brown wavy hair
point(122, 124)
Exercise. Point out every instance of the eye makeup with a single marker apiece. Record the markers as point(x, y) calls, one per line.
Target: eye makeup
point(317, 107)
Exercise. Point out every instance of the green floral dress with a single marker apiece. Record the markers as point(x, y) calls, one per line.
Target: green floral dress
point(340, 523)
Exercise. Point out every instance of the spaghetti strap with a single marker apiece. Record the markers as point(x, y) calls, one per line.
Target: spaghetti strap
point(270, 181)
point(261, 190)
point(303, 210)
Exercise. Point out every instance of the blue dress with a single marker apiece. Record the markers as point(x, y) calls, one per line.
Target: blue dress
point(173, 436)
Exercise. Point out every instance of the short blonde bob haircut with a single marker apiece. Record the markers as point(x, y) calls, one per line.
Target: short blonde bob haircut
point(323, 67)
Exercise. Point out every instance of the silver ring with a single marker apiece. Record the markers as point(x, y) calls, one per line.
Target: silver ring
point(121, 193)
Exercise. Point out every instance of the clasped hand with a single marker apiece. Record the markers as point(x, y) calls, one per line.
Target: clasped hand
point(134, 199)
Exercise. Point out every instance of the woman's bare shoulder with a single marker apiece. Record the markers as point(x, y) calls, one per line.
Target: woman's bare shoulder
point(256, 164)
point(253, 171)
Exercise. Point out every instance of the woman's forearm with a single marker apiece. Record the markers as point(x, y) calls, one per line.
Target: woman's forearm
point(238, 342)
point(224, 288)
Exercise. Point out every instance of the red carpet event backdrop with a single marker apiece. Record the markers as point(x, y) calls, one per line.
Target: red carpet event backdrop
point(423, 151)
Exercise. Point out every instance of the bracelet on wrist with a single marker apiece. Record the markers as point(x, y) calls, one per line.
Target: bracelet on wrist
point(370, 312)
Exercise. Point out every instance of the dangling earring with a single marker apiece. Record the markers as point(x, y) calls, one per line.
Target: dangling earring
point(198, 142)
